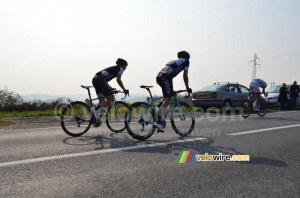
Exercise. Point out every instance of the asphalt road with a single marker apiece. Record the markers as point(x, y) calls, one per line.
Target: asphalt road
point(45, 162)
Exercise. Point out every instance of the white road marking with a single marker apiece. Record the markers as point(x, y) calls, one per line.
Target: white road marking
point(42, 159)
point(262, 130)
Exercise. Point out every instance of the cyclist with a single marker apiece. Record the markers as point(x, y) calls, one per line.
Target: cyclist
point(100, 82)
point(254, 88)
point(165, 80)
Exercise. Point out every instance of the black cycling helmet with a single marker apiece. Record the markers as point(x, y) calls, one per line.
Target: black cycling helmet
point(183, 54)
point(121, 62)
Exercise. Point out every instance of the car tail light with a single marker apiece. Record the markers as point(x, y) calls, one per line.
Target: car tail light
point(214, 95)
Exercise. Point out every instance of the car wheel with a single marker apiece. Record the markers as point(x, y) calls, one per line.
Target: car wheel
point(227, 105)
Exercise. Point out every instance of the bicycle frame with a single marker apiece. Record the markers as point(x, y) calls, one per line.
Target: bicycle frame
point(89, 101)
point(141, 122)
point(174, 102)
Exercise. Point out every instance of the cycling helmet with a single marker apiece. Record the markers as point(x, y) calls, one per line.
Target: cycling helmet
point(183, 54)
point(121, 62)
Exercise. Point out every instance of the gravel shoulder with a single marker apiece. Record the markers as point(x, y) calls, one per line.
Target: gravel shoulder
point(31, 122)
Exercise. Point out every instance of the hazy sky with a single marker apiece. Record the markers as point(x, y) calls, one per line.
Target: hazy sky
point(54, 46)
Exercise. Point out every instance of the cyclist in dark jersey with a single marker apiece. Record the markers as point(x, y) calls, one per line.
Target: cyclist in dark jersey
point(165, 80)
point(101, 79)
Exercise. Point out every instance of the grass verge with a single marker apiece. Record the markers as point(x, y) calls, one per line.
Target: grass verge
point(23, 114)
point(4, 123)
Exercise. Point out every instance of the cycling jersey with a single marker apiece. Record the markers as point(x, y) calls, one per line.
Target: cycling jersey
point(102, 77)
point(259, 82)
point(165, 77)
point(111, 72)
point(173, 68)
point(256, 83)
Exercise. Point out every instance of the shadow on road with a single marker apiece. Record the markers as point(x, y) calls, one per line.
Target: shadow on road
point(200, 147)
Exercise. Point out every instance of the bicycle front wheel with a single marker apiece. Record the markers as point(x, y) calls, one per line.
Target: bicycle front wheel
point(115, 117)
point(262, 110)
point(139, 121)
point(246, 108)
point(183, 119)
point(76, 118)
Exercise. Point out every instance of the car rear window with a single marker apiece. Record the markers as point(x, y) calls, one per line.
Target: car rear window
point(211, 88)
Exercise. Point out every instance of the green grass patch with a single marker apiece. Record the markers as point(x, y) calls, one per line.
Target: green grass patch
point(24, 114)
point(5, 123)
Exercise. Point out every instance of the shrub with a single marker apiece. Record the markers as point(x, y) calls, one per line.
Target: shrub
point(11, 101)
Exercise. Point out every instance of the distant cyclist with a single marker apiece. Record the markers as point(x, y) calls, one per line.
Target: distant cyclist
point(254, 88)
point(165, 80)
point(101, 79)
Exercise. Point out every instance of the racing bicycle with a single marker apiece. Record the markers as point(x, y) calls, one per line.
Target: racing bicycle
point(247, 106)
point(77, 117)
point(142, 117)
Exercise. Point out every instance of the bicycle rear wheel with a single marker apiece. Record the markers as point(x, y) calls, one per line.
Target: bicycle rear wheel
point(246, 108)
point(115, 117)
point(137, 121)
point(262, 110)
point(183, 119)
point(76, 118)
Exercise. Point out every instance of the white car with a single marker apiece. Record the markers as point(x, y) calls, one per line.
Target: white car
point(273, 94)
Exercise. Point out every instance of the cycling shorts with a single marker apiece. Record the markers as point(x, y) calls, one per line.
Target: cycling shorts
point(166, 84)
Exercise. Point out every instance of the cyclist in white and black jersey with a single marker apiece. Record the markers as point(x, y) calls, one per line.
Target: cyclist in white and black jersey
point(254, 88)
point(165, 80)
point(101, 79)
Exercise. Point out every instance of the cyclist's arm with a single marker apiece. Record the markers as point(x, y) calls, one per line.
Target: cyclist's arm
point(186, 79)
point(263, 91)
point(119, 81)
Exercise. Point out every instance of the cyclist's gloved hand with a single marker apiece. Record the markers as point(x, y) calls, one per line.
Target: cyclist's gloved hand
point(126, 91)
point(189, 90)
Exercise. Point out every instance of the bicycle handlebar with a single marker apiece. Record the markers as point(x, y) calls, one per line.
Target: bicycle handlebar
point(176, 92)
point(180, 91)
point(119, 91)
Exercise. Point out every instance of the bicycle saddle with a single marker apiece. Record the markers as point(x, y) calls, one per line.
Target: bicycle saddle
point(145, 87)
point(86, 87)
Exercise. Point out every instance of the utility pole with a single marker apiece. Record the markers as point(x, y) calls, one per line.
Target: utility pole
point(254, 66)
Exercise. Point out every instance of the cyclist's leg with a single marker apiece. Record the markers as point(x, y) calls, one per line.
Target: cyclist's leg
point(98, 88)
point(108, 101)
point(167, 88)
point(257, 96)
point(107, 92)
